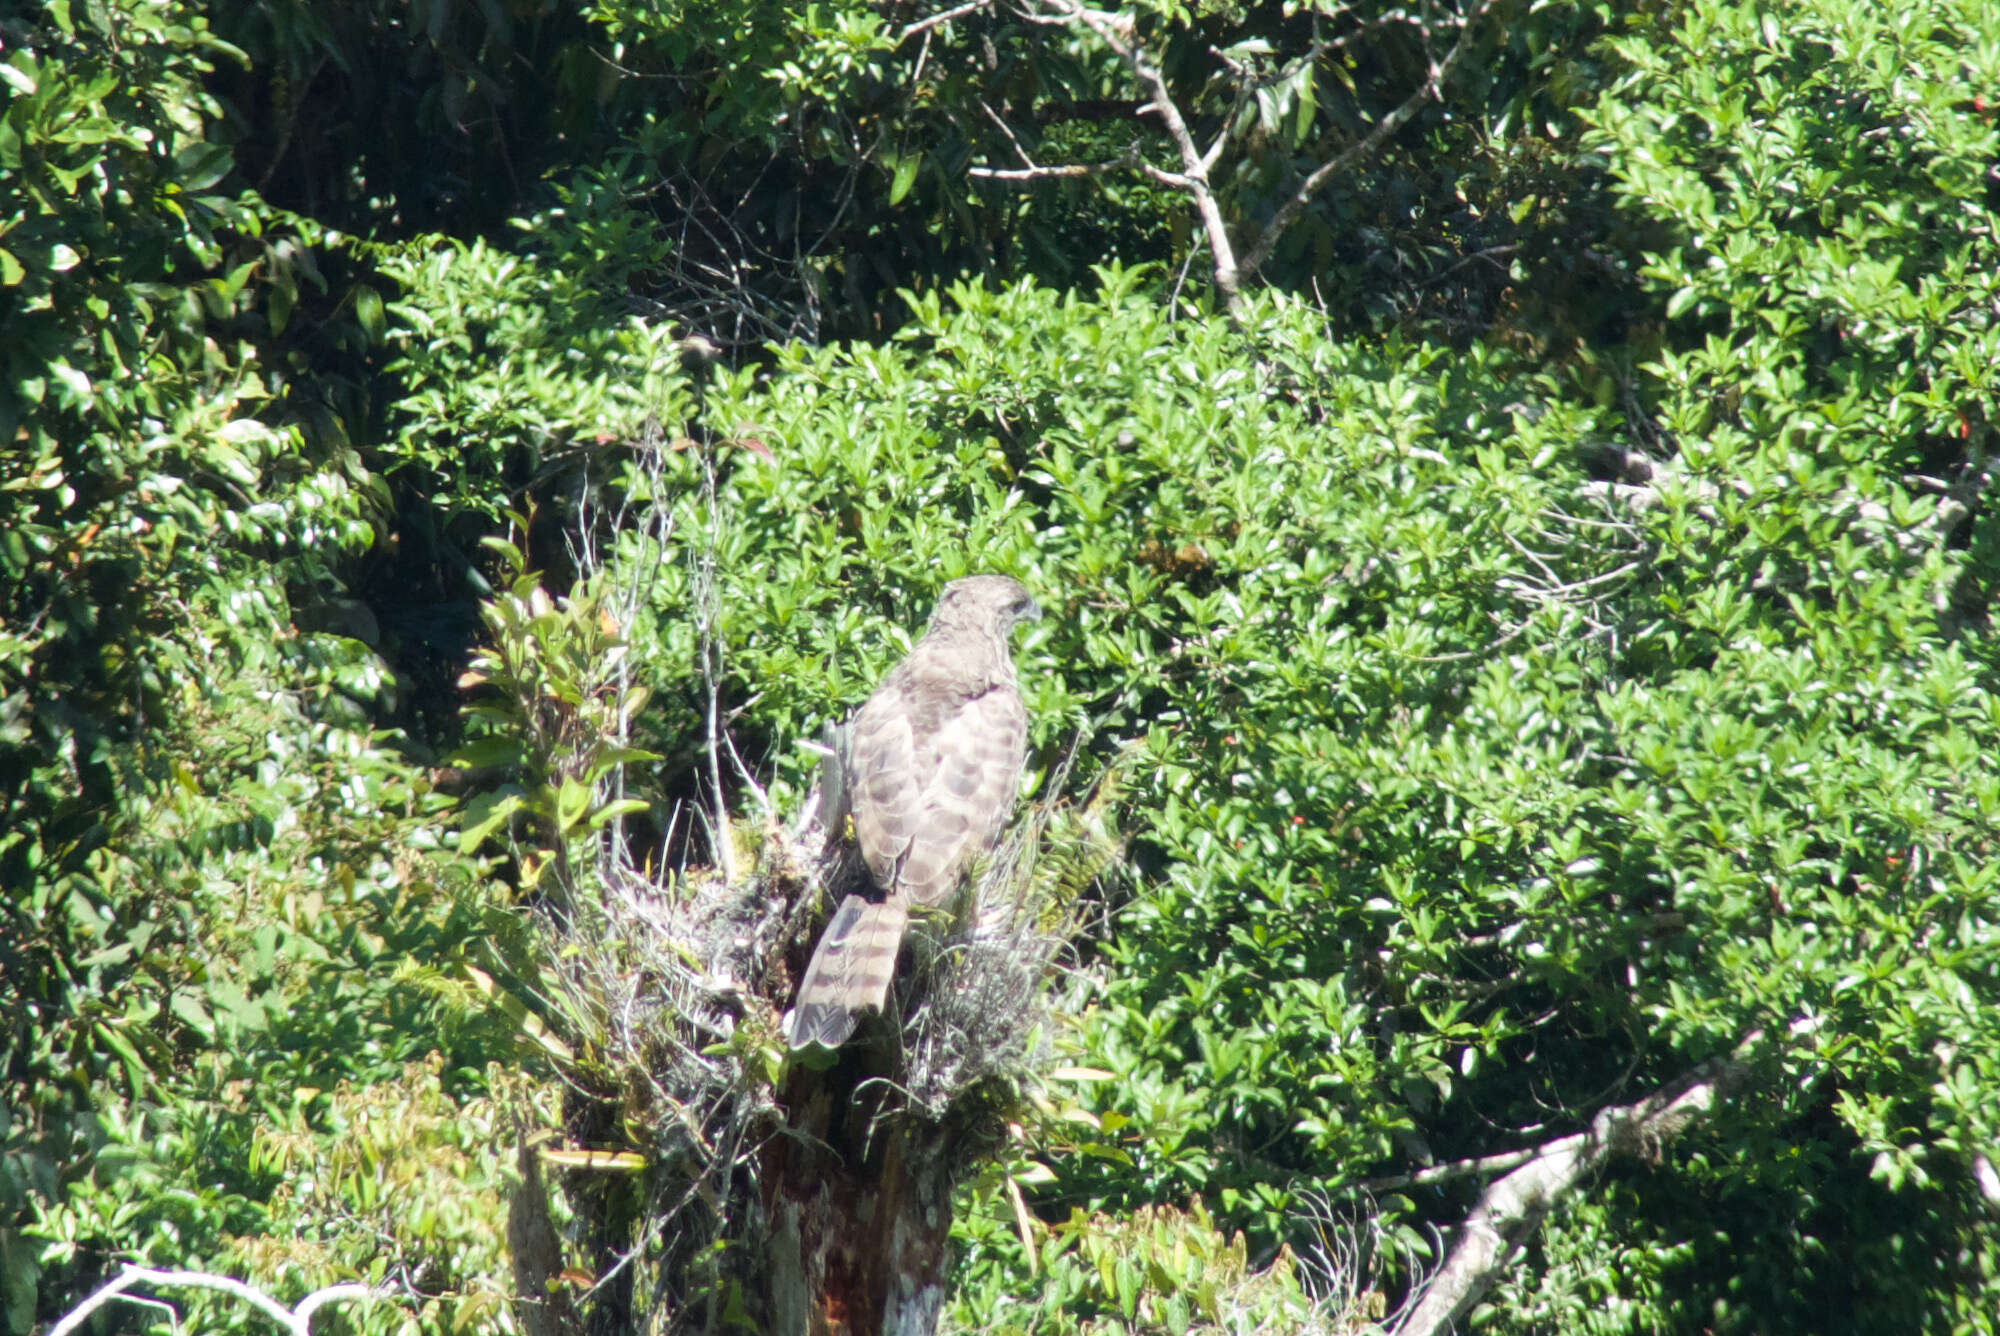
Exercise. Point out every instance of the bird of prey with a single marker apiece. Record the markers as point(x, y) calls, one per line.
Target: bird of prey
point(932, 762)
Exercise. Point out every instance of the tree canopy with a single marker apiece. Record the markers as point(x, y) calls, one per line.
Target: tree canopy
point(1513, 730)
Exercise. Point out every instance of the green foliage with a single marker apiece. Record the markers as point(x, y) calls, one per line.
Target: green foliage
point(1823, 175)
point(284, 876)
point(1823, 184)
point(561, 702)
point(1158, 1270)
point(844, 139)
point(216, 866)
point(1509, 735)
point(129, 391)
point(142, 507)
point(513, 366)
point(1205, 531)
point(416, 1175)
point(1438, 743)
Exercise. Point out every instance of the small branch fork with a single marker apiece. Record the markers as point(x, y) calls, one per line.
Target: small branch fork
point(297, 1320)
point(1120, 33)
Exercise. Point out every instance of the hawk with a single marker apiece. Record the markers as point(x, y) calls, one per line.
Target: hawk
point(932, 763)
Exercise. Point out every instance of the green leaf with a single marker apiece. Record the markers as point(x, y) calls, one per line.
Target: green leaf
point(368, 310)
point(484, 815)
point(202, 165)
point(278, 304)
point(905, 177)
point(530, 1026)
point(489, 751)
point(613, 810)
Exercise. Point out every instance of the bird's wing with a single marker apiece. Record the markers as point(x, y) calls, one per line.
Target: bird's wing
point(972, 767)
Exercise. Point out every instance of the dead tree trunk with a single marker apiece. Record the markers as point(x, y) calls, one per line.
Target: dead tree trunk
point(856, 1191)
point(704, 1198)
point(857, 1207)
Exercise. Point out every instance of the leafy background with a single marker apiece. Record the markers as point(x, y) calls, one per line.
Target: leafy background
point(1547, 631)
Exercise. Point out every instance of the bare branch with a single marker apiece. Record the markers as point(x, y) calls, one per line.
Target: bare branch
point(1444, 1173)
point(1030, 170)
point(1432, 87)
point(1964, 494)
point(1512, 1207)
point(295, 1320)
point(1117, 31)
point(334, 1294)
point(1043, 173)
point(937, 20)
point(1506, 638)
point(1244, 79)
point(1007, 130)
point(1640, 479)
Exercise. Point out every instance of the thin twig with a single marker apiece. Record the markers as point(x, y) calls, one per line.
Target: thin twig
point(1444, 1173)
point(1507, 638)
point(708, 617)
point(1069, 170)
point(1007, 130)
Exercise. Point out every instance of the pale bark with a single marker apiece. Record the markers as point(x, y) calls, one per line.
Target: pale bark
point(1513, 1206)
point(1118, 32)
point(296, 1319)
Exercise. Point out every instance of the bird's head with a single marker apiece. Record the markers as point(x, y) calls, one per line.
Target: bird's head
point(985, 602)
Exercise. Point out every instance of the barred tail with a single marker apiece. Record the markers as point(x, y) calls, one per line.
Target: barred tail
point(850, 971)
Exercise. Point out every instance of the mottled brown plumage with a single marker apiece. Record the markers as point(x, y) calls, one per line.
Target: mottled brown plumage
point(932, 763)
